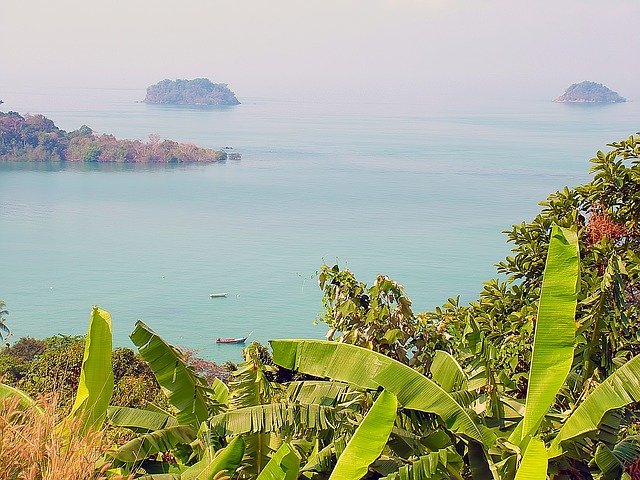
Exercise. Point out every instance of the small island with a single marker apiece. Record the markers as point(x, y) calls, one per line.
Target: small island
point(199, 91)
point(589, 92)
point(35, 138)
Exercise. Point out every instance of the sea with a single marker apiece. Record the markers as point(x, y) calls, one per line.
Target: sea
point(418, 192)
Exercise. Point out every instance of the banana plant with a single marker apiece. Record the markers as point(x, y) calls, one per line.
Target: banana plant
point(95, 387)
point(371, 370)
point(369, 439)
point(284, 465)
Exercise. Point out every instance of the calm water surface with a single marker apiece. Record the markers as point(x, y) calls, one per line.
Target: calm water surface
point(420, 193)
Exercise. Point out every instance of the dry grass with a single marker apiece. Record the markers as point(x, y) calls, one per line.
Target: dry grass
point(33, 446)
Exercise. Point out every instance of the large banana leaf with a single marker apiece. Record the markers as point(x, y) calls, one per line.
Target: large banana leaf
point(139, 420)
point(273, 417)
point(228, 459)
point(534, 463)
point(441, 464)
point(555, 327)
point(370, 370)
point(95, 387)
point(320, 459)
point(25, 401)
point(181, 385)
point(321, 392)
point(284, 465)
point(155, 442)
point(368, 440)
point(447, 372)
point(621, 388)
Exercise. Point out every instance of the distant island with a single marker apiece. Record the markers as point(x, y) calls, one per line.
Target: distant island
point(200, 91)
point(35, 138)
point(589, 92)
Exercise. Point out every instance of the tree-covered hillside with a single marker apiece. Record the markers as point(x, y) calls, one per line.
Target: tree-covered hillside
point(36, 138)
point(199, 91)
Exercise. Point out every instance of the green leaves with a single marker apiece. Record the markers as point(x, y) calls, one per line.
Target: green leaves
point(181, 385)
point(371, 370)
point(25, 401)
point(139, 420)
point(96, 377)
point(368, 440)
point(155, 442)
point(620, 389)
point(284, 465)
point(555, 327)
point(228, 459)
point(273, 417)
point(534, 463)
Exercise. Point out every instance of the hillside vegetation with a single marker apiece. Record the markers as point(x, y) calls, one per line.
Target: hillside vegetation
point(199, 91)
point(35, 138)
point(539, 378)
point(589, 92)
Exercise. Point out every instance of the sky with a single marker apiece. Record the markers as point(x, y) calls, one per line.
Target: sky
point(375, 50)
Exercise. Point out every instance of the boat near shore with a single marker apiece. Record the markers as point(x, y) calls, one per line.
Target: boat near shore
point(231, 340)
point(234, 340)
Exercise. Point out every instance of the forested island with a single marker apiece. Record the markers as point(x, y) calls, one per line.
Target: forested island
point(199, 91)
point(35, 138)
point(589, 92)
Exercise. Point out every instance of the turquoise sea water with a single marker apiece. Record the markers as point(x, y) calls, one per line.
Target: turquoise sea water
point(418, 192)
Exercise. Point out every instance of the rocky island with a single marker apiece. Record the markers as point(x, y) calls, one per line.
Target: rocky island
point(589, 92)
point(199, 91)
point(35, 138)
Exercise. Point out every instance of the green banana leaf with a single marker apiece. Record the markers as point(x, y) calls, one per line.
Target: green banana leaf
point(219, 391)
point(155, 442)
point(321, 392)
point(138, 419)
point(441, 464)
point(610, 467)
point(284, 465)
point(320, 459)
point(25, 401)
point(273, 417)
point(621, 388)
point(447, 372)
point(555, 327)
point(534, 463)
point(181, 385)
point(228, 459)
point(368, 440)
point(370, 370)
point(95, 386)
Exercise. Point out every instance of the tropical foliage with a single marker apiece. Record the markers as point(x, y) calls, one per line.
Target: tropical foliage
point(538, 378)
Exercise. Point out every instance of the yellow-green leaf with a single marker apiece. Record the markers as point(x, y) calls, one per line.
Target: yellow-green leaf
point(534, 463)
point(284, 465)
point(555, 327)
point(96, 376)
point(368, 440)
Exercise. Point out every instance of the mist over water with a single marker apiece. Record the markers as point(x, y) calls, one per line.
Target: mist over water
point(419, 192)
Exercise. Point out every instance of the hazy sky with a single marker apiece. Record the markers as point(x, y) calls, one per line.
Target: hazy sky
point(377, 49)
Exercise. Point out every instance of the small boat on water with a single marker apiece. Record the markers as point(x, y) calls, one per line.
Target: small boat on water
point(218, 295)
point(233, 340)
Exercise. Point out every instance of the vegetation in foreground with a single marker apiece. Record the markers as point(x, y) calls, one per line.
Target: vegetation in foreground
point(35, 138)
point(538, 378)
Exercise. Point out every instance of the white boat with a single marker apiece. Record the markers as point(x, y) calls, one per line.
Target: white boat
point(218, 295)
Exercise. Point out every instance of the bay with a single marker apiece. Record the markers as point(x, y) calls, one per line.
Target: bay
point(417, 192)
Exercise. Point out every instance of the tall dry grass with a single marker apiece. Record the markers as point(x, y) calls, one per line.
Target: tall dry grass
point(34, 446)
